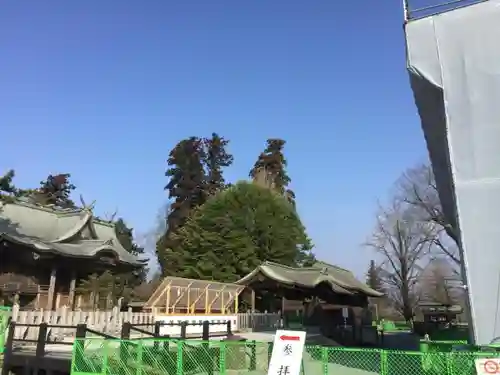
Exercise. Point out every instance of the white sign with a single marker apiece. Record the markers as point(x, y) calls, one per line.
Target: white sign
point(286, 358)
point(487, 366)
point(345, 312)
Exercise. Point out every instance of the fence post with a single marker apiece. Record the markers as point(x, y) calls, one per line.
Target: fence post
point(324, 359)
point(384, 368)
point(8, 347)
point(42, 336)
point(205, 333)
point(125, 336)
point(78, 350)
point(180, 360)
point(222, 357)
point(229, 331)
point(156, 335)
point(253, 355)
point(126, 328)
point(184, 325)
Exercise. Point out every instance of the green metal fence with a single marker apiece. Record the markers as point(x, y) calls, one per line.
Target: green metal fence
point(4, 321)
point(174, 357)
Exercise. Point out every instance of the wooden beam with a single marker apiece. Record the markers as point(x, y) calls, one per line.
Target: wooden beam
point(72, 288)
point(205, 292)
point(52, 288)
point(217, 295)
point(167, 282)
point(167, 302)
point(181, 295)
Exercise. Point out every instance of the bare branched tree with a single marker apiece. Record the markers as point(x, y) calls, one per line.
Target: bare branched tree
point(418, 189)
point(148, 240)
point(402, 242)
point(439, 283)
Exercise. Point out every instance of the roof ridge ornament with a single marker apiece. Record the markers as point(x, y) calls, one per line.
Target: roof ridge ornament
point(86, 207)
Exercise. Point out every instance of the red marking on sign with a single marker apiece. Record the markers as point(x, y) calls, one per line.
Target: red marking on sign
point(289, 338)
point(491, 367)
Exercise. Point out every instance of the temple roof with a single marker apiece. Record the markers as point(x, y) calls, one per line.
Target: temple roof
point(340, 280)
point(67, 232)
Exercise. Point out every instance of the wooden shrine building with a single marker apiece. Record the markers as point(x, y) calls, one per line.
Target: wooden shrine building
point(326, 282)
point(270, 287)
point(44, 250)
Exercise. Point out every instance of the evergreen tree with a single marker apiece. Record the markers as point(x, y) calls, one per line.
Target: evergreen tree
point(55, 190)
point(373, 278)
point(273, 161)
point(7, 187)
point(215, 159)
point(126, 238)
point(237, 230)
point(186, 189)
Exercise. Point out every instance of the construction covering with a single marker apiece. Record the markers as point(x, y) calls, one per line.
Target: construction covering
point(454, 66)
point(177, 295)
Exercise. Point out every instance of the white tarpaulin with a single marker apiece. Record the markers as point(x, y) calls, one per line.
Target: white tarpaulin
point(454, 65)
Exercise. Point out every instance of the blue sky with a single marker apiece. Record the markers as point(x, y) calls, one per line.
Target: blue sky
point(104, 89)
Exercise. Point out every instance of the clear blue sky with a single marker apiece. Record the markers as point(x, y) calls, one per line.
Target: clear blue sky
point(104, 89)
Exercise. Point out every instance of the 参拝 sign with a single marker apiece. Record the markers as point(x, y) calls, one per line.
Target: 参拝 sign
point(286, 358)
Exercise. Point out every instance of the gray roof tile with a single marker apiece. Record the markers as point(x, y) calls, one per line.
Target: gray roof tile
point(75, 233)
point(341, 280)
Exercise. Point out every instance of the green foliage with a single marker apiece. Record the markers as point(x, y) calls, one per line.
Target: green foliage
point(7, 188)
point(126, 238)
point(216, 158)
point(56, 190)
point(186, 190)
point(236, 230)
point(8, 191)
point(104, 289)
point(274, 162)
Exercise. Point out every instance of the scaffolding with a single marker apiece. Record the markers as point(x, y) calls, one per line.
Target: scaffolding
point(177, 295)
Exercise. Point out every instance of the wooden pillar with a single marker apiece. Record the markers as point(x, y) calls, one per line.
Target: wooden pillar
point(52, 288)
point(72, 288)
point(167, 303)
point(253, 301)
point(37, 301)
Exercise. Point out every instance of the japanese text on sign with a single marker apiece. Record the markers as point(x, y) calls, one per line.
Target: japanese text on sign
point(286, 358)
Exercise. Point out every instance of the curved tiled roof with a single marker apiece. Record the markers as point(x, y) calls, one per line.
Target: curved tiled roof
point(69, 232)
point(340, 280)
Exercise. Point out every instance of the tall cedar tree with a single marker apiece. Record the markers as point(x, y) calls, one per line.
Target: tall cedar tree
point(216, 159)
point(126, 238)
point(237, 230)
point(56, 190)
point(186, 190)
point(273, 161)
point(373, 279)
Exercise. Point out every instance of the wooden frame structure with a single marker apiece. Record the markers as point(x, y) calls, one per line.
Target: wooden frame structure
point(177, 295)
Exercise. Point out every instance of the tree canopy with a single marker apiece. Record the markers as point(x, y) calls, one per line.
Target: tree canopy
point(273, 162)
point(56, 190)
point(238, 229)
point(195, 173)
point(186, 191)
